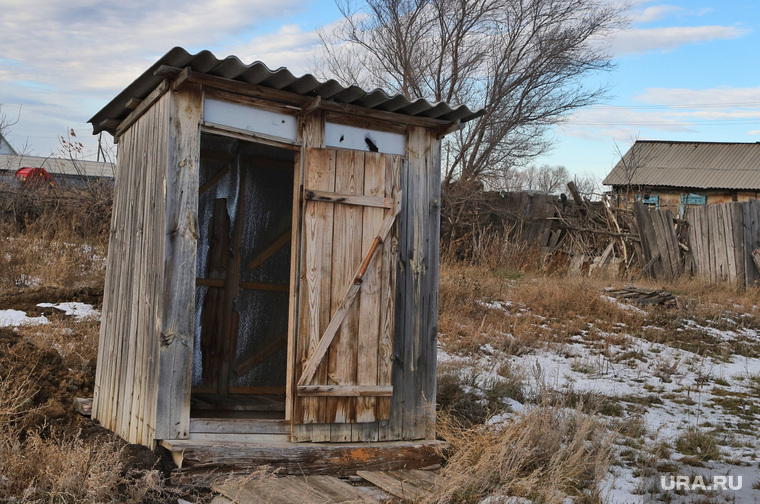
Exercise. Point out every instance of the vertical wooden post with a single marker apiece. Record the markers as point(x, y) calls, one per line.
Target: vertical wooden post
point(415, 343)
point(177, 323)
point(311, 133)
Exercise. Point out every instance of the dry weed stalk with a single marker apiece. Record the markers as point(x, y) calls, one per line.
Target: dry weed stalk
point(545, 454)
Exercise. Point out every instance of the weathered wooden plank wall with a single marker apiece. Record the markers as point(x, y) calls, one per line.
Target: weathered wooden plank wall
point(124, 395)
point(181, 233)
point(721, 240)
point(415, 343)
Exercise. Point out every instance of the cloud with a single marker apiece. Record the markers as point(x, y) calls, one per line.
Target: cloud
point(724, 96)
point(653, 13)
point(64, 60)
point(670, 113)
point(290, 47)
point(637, 41)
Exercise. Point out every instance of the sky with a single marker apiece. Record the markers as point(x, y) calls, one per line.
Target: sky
point(686, 70)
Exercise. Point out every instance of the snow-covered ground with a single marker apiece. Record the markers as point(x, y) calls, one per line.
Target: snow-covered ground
point(15, 318)
point(671, 390)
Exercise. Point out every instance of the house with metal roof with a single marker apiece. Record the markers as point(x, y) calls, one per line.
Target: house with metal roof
point(271, 291)
point(677, 175)
point(65, 172)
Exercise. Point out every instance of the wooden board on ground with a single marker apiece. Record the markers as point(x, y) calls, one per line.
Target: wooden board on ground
point(289, 489)
point(412, 485)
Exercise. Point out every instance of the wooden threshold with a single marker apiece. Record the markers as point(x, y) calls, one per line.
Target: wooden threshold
point(337, 459)
point(238, 426)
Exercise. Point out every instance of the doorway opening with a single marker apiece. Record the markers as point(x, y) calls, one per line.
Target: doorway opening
point(245, 209)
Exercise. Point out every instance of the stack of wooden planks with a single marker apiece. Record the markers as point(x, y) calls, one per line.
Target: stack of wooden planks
point(642, 297)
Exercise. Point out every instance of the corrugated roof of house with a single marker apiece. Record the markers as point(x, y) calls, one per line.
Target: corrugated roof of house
point(697, 165)
point(57, 166)
point(257, 73)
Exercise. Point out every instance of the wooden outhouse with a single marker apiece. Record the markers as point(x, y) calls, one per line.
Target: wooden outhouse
point(272, 279)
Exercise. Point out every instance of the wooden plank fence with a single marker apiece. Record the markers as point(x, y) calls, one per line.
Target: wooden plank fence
point(722, 238)
point(660, 251)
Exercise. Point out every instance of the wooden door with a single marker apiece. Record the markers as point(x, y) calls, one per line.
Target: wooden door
point(350, 201)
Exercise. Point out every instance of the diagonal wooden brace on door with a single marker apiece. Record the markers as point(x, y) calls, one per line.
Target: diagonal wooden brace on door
point(340, 314)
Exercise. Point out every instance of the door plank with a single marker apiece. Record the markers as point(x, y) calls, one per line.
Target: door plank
point(347, 252)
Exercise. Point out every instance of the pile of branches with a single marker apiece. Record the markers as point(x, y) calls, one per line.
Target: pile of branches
point(598, 232)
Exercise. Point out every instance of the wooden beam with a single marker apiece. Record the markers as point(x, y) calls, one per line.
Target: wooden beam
point(450, 128)
point(280, 242)
point(248, 136)
point(167, 71)
point(306, 458)
point(181, 78)
point(133, 103)
point(348, 199)
point(575, 194)
point(311, 106)
point(213, 180)
point(345, 390)
point(261, 355)
point(144, 105)
point(109, 123)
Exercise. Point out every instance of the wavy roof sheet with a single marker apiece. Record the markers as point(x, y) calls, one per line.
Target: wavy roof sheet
point(259, 74)
point(56, 166)
point(696, 165)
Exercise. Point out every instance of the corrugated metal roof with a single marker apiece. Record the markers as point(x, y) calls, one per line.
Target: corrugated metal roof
point(697, 165)
point(259, 74)
point(56, 166)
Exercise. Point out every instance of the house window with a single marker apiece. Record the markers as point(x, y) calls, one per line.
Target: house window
point(691, 199)
point(649, 199)
point(694, 199)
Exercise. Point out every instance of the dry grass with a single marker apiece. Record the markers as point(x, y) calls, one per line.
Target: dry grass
point(48, 453)
point(43, 254)
point(75, 340)
point(543, 455)
point(525, 311)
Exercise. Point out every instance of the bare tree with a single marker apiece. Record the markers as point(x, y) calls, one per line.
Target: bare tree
point(588, 186)
point(6, 124)
point(522, 61)
point(631, 162)
point(542, 179)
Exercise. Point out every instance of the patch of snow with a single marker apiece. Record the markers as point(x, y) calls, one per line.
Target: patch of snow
point(487, 348)
point(78, 310)
point(15, 318)
point(28, 281)
point(624, 306)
